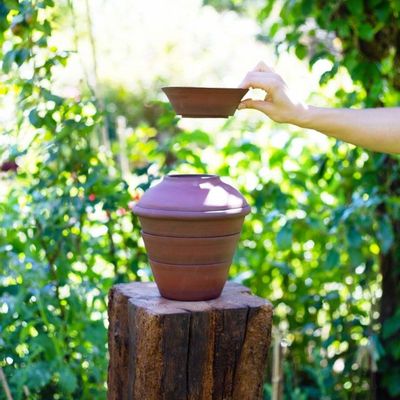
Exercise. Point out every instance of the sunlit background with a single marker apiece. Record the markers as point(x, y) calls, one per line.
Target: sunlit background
point(137, 47)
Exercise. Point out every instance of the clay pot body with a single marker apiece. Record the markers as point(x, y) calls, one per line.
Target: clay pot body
point(185, 227)
point(190, 226)
point(190, 282)
point(190, 250)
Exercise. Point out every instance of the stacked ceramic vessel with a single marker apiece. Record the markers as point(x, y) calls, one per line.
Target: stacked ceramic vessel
point(190, 226)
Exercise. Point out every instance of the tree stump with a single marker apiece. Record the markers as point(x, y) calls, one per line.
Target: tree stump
point(173, 350)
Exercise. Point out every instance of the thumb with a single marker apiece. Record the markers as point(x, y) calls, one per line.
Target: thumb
point(260, 105)
point(262, 67)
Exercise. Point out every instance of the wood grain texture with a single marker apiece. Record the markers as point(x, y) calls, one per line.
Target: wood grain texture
point(118, 344)
point(172, 350)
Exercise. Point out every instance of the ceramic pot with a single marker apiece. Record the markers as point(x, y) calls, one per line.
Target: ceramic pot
point(190, 282)
point(191, 224)
point(184, 250)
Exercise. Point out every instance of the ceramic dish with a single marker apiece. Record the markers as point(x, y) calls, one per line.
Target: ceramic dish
point(202, 102)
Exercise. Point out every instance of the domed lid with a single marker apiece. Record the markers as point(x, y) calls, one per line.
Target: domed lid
point(191, 196)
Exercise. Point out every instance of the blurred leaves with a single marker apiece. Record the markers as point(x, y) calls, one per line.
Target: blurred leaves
point(360, 232)
point(284, 237)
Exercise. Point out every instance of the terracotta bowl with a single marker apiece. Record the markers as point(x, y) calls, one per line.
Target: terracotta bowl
point(190, 282)
point(175, 250)
point(201, 102)
point(192, 227)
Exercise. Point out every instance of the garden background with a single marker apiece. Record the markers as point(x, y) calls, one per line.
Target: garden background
point(85, 130)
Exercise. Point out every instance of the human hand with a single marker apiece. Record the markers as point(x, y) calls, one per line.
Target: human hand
point(279, 104)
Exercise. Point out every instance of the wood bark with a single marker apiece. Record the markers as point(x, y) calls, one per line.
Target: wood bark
point(390, 299)
point(164, 349)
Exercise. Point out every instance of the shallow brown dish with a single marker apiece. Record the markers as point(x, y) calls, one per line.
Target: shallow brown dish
point(202, 102)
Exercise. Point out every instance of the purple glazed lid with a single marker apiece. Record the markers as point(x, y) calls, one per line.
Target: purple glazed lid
point(192, 197)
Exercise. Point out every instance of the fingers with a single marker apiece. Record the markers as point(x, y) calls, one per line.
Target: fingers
point(267, 81)
point(262, 67)
point(255, 104)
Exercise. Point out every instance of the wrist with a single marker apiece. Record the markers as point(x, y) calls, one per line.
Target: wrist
point(304, 116)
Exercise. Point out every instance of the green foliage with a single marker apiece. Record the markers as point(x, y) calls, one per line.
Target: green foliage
point(65, 230)
point(361, 37)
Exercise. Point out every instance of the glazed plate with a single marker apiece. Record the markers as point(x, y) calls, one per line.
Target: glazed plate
point(203, 102)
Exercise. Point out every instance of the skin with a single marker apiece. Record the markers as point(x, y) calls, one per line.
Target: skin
point(376, 129)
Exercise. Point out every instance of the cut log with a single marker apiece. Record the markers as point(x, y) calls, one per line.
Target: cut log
point(173, 350)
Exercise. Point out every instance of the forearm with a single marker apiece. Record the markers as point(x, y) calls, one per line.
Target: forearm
point(377, 129)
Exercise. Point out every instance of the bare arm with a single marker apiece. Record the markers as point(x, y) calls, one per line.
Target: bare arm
point(377, 129)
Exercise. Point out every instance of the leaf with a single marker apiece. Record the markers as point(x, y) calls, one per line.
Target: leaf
point(21, 56)
point(42, 42)
point(34, 119)
point(395, 349)
point(277, 158)
point(332, 259)
point(284, 237)
point(266, 11)
point(68, 382)
point(354, 237)
point(45, 28)
point(11, 4)
point(318, 56)
point(366, 32)
point(383, 12)
point(8, 60)
point(343, 29)
point(328, 75)
point(385, 234)
point(355, 256)
point(52, 97)
point(35, 375)
point(301, 51)
point(197, 136)
point(95, 333)
point(306, 7)
point(274, 29)
point(355, 6)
